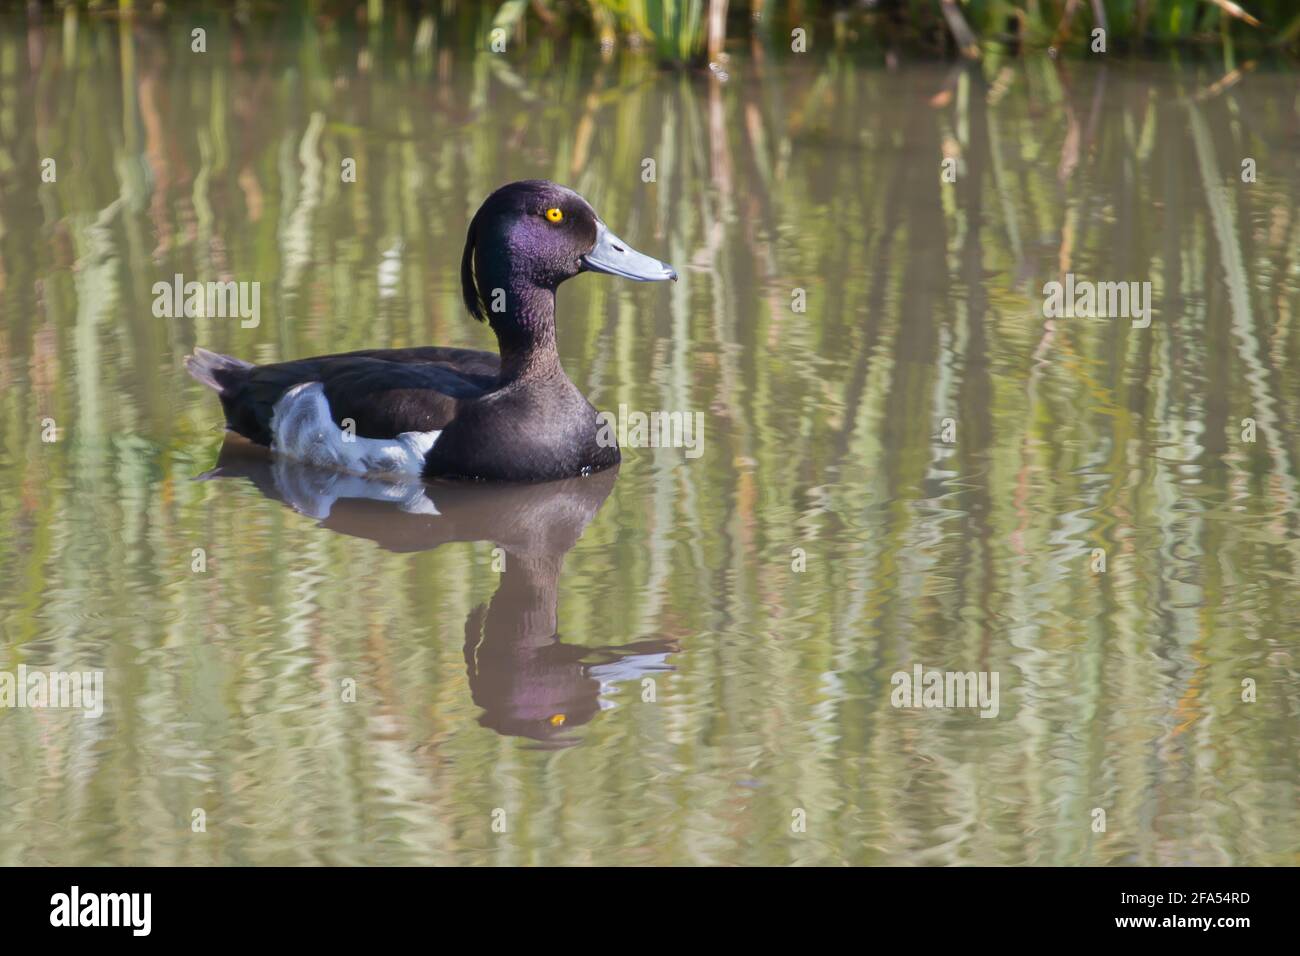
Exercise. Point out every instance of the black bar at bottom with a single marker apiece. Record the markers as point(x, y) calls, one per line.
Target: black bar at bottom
point(333, 906)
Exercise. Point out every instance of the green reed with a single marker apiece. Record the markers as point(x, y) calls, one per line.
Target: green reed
point(678, 34)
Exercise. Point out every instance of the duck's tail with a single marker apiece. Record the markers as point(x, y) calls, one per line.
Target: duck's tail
point(214, 369)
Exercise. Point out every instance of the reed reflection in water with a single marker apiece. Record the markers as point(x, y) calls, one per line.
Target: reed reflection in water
point(824, 432)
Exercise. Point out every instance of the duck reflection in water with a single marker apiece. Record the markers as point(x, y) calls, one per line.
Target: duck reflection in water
point(528, 682)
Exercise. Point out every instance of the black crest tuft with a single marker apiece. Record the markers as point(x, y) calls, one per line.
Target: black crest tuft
point(468, 282)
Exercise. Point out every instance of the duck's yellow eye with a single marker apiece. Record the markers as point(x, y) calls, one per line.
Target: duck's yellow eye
point(555, 215)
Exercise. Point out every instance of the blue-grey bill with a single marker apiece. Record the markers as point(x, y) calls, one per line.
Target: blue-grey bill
point(615, 257)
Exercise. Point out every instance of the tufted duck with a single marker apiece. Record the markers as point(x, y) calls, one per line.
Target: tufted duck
point(445, 412)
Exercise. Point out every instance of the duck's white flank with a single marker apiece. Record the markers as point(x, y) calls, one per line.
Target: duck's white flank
point(303, 429)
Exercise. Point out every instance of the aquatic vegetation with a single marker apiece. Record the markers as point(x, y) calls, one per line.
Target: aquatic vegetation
point(686, 31)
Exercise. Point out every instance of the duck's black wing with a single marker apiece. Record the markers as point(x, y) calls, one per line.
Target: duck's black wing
point(383, 391)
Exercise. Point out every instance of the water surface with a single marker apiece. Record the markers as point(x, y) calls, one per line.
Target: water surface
point(631, 668)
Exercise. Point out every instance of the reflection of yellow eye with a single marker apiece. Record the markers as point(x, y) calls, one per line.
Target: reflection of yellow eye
point(555, 215)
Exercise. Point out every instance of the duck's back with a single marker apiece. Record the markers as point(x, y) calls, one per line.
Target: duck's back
point(380, 393)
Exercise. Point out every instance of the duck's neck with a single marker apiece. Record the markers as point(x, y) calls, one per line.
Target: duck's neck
point(526, 333)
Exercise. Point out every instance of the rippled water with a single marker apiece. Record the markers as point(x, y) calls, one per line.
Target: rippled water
point(631, 669)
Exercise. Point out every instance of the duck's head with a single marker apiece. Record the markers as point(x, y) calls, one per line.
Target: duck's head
point(535, 234)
